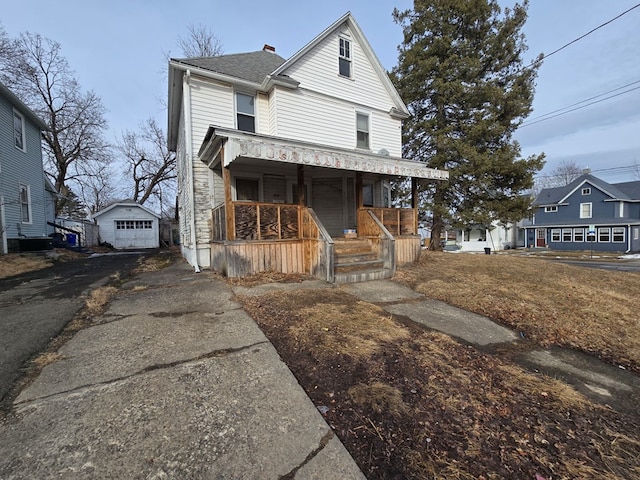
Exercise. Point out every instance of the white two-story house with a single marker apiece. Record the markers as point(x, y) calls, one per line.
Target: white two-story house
point(284, 164)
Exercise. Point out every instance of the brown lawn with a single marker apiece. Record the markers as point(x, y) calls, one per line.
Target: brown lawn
point(595, 311)
point(410, 403)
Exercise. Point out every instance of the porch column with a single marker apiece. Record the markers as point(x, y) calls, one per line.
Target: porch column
point(301, 192)
point(414, 203)
point(229, 213)
point(359, 199)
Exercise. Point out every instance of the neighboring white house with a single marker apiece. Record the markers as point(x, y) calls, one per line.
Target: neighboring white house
point(128, 226)
point(478, 237)
point(277, 159)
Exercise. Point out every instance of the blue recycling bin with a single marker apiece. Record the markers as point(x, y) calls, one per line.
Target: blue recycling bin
point(71, 239)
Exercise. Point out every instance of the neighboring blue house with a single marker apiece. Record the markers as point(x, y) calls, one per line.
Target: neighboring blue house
point(26, 201)
point(589, 213)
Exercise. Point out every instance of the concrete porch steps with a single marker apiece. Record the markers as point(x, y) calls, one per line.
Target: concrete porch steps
point(357, 261)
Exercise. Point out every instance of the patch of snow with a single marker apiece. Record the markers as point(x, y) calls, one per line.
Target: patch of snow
point(633, 256)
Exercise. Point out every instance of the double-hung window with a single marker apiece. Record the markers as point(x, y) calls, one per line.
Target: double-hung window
point(344, 58)
point(18, 130)
point(555, 235)
point(617, 234)
point(604, 235)
point(566, 234)
point(245, 111)
point(578, 234)
point(585, 210)
point(362, 130)
point(25, 204)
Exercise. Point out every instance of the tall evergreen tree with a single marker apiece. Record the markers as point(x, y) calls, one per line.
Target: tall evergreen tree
point(461, 73)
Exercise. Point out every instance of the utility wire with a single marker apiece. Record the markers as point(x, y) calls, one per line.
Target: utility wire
point(578, 108)
point(537, 62)
point(529, 120)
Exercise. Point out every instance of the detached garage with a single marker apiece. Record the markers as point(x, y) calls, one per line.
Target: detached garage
point(128, 226)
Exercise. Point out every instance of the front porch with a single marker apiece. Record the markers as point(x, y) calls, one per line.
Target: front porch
point(293, 207)
point(289, 238)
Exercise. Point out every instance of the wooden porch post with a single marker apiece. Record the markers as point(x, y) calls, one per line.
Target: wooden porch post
point(414, 203)
point(229, 213)
point(359, 199)
point(301, 192)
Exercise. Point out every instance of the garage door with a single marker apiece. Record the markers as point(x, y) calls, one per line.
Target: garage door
point(135, 234)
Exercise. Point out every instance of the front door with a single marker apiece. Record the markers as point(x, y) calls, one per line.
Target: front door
point(326, 201)
point(541, 237)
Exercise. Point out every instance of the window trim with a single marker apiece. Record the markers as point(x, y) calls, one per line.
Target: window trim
point(551, 209)
point(636, 233)
point(567, 235)
point(586, 191)
point(23, 136)
point(578, 232)
point(602, 231)
point(252, 116)
point(621, 234)
point(27, 190)
point(345, 56)
point(368, 132)
point(582, 214)
point(556, 234)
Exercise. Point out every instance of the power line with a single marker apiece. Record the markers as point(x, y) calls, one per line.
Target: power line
point(582, 101)
point(538, 61)
point(578, 108)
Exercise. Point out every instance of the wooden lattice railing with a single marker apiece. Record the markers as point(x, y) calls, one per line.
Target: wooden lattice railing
point(399, 221)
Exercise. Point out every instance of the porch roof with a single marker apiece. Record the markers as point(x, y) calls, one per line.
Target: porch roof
point(238, 144)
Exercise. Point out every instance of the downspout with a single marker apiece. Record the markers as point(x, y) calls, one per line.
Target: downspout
point(628, 238)
point(189, 151)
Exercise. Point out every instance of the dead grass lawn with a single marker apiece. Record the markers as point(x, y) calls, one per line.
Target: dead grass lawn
point(14, 264)
point(410, 403)
point(595, 311)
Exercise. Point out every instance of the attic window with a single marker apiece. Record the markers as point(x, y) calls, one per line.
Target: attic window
point(245, 111)
point(18, 130)
point(344, 58)
point(586, 191)
point(551, 209)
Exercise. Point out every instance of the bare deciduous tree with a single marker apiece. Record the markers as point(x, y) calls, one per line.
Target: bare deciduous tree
point(42, 78)
point(150, 166)
point(563, 174)
point(200, 42)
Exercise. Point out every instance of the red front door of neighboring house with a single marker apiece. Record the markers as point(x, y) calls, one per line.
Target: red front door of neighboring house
point(541, 237)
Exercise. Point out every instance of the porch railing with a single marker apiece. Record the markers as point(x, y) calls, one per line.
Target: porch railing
point(370, 226)
point(218, 224)
point(259, 221)
point(318, 246)
point(398, 221)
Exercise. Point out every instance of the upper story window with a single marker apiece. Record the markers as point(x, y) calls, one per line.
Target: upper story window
point(586, 191)
point(585, 210)
point(344, 58)
point(25, 204)
point(362, 130)
point(245, 111)
point(551, 209)
point(18, 130)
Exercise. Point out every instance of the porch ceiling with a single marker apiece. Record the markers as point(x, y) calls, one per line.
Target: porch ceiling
point(242, 145)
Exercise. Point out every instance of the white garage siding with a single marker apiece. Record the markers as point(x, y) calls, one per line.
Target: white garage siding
point(128, 226)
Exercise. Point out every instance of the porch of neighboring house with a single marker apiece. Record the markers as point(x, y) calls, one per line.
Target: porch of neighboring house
point(340, 238)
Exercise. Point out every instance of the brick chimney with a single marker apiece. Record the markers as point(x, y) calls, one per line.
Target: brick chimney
point(268, 48)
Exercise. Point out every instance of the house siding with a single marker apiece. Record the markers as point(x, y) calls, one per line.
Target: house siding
point(318, 71)
point(308, 116)
point(606, 215)
point(17, 168)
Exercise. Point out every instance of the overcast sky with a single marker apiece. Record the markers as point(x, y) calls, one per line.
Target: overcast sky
point(117, 49)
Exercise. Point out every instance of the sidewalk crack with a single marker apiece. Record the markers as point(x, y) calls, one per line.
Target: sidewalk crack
point(323, 443)
point(150, 368)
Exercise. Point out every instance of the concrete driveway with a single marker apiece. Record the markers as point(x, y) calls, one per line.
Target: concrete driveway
point(36, 306)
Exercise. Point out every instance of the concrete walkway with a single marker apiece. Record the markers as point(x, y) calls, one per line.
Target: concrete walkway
point(601, 382)
point(174, 381)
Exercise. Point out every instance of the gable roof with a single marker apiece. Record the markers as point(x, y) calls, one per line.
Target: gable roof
point(628, 191)
point(351, 23)
point(261, 70)
point(124, 204)
point(22, 107)
point(253, 66)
